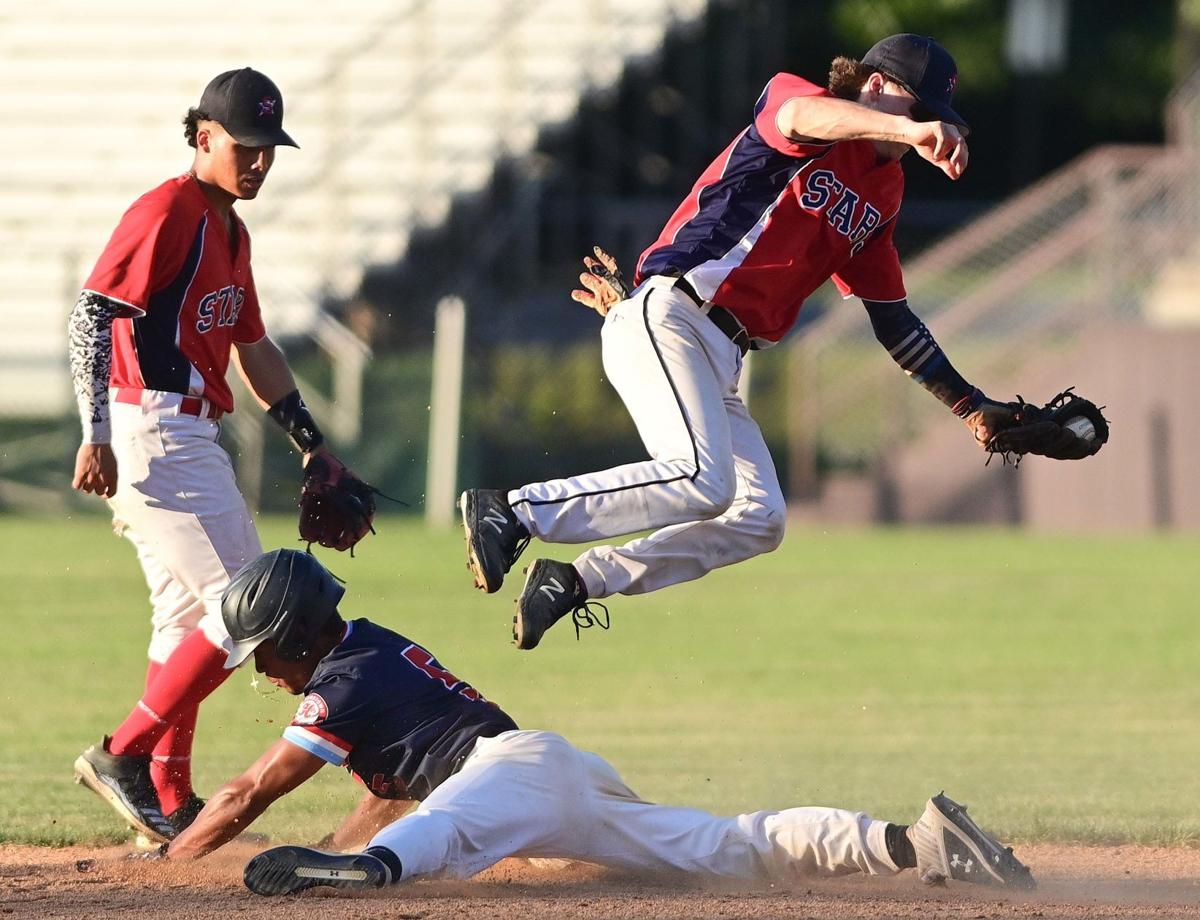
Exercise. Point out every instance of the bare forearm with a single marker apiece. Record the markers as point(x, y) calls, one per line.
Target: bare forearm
point(226, 815)
point(266, 372)
point(829, 119)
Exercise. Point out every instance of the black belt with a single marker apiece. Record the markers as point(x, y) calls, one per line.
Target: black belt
point(721, 318)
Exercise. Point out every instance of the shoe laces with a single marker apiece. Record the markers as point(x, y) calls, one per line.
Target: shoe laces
point(585, 617)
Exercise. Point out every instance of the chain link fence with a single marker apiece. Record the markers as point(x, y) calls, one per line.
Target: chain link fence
point(1082, 246)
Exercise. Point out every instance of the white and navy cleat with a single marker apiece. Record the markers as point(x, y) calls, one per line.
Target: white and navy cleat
point(287, 870)
point(949, 845)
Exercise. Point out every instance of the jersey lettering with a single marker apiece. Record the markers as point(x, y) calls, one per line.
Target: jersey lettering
point(383, 785)
point(220, 308)
point(822, 187)
point(427, 664)
point(817, 189)
point(841, 215)
point(868, 222)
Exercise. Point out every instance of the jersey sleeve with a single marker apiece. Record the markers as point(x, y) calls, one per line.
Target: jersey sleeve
point(330, 720)
point(874, 273)
point(249, 327)
point(143, 255)
point(780, 89)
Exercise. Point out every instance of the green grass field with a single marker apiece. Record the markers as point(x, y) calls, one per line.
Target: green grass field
point(1049, 682)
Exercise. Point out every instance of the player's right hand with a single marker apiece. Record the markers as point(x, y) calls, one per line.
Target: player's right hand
point(940, 143)
point(96, 470)
point(603, 286)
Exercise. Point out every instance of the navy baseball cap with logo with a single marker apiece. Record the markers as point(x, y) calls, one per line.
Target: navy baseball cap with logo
point(924, 68)
point(247, 105)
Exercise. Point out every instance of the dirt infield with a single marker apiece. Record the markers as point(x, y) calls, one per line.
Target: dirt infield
point(1075, 882)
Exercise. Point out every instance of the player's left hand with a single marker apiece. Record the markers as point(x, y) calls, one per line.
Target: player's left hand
point(336, 507)
point(941, 144)
point(1069, 427)
point(95, 470)
point(989, 420)
point(603, 284)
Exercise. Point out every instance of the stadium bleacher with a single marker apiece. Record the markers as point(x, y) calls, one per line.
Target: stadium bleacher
point(399, 105)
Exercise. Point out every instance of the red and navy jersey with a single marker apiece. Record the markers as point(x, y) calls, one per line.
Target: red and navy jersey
point(188, 294)
point(385, 708)
point(771, 220)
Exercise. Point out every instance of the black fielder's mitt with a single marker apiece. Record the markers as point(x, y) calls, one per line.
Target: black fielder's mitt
point(1068, 427)
point(336, 507)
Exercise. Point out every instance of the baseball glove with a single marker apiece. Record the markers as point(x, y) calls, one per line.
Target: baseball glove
point(603, 284)
point(336, 507)
point(1068, 427)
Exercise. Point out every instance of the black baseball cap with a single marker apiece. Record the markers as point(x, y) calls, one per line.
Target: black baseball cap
point(247, 105)
point(924, 68)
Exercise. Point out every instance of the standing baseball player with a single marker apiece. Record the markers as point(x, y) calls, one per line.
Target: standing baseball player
point(810, 190)
point(170, 300)
point(408, 728)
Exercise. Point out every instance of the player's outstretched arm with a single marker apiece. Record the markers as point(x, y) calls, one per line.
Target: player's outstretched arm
point(235, 805)
point(913, 347)
point(89, 336)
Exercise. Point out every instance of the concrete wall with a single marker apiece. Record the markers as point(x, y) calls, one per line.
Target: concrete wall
point(1145, 478)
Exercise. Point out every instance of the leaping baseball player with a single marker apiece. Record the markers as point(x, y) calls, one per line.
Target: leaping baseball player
point(810, 190)
point(383, 706)
point(151, 336)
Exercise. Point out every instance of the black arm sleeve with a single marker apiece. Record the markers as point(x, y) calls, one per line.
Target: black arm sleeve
point(912, 346)
point(89, 338)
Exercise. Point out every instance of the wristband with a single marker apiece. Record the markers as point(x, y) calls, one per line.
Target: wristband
point(293, 417)
point(968, 403)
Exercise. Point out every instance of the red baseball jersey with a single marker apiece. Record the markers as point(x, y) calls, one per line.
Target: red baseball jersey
point(189, 295)
point(770, 220)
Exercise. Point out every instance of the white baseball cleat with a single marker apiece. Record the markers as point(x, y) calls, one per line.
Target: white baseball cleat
point(949, 845)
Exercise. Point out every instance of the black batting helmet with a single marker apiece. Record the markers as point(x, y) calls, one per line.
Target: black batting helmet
point(285, 595)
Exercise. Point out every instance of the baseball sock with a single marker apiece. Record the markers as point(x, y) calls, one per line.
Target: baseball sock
point(195, 669)
point(899, 847)
point(171, 763)
point(389, 859)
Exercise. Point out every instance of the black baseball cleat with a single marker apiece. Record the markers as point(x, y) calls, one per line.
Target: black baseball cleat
point(183, 816)
point(949, 845)
point(286, 870)
point(123, 780)
point(495, 538)
point(552, 590)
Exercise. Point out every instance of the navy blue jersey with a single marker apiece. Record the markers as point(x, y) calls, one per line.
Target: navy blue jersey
point(382, 706)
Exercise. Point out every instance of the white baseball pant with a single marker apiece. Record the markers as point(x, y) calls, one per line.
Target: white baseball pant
point(533, 794)
point(177, 501)
point(710, 489)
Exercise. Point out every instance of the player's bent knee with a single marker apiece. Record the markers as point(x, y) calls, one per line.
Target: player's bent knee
point(774, 527)
point(713, 494)
point(762, 528)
